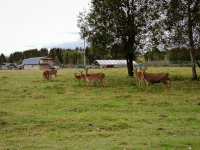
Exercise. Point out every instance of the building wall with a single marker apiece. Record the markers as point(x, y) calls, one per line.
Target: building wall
point(44, 67)
point(31, 67)
point(45, 61)
point(36, 67)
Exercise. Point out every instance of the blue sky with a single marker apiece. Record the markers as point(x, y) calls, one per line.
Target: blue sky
point(28, 24)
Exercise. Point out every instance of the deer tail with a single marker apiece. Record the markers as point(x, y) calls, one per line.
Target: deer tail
point(104, 75)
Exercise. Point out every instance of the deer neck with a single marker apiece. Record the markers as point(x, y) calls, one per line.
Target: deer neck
point(86, 74)
point(144, 74)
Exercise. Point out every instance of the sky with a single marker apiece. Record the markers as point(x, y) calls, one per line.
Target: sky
point(30, 24)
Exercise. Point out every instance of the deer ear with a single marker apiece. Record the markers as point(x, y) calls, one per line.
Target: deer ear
point(140, 68)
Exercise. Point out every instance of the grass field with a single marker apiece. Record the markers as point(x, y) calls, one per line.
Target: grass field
point(62, 114)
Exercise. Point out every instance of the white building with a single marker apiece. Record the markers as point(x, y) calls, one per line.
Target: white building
point(111, 63)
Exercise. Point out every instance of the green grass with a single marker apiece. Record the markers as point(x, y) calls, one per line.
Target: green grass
point(62, 114)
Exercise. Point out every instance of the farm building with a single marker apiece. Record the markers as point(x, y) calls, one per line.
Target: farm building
point(111, 63)
point(1, 65)
point(38, 63)
point(10, 66)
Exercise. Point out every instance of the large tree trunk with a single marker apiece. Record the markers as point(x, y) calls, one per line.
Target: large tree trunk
point(191, 43)
point(129, 59)
point(193, 66)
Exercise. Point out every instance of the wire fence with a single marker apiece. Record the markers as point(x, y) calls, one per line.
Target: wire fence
point(169, 63)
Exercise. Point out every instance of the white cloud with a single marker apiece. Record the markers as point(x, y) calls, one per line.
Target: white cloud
point(27, 24)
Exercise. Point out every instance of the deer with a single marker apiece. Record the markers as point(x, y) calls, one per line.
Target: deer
point(94, 77)
point(138, 75)
point(152, 78)
point(83, 77)
point(46, 75)
point(78, 77)
point(51, 72)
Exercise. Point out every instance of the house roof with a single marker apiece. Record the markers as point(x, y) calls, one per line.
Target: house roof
point(11, 64)
point(5, 63)
point(112, 62)
point(34, 60)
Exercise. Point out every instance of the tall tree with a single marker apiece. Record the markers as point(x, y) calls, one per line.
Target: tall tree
point(31, 53)
point(2, 58)
point(43, 52)
point(16, 56)
point(115, 27)
point(182, 23)
point(57, 52)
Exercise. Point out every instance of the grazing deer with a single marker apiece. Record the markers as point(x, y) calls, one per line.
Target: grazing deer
point(138, 76)
point(83, 77)
point(95, 77)
point(51, 72)
point(78, 77)
point(46, 75)
point(152, 78)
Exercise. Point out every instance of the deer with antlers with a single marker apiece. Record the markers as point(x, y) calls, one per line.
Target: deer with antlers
point(152, 78)
point(94, 77)
point(78, 77)
point(138, 76)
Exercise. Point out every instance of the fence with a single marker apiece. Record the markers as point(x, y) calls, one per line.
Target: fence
point(73, 66)
point(169, 63)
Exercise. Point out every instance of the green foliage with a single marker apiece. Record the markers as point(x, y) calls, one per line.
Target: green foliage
point(15, 57)
point(155, 55)
point(43, 52)
point(57, 61)
point(182, 54)
point(2, 58)
point(115, 28)
point(19, 62)
point(72, 57)
point(179, 54)
point(31, 53)
point(56, 52)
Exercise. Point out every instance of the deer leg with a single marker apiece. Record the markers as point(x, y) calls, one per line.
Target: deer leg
point(165, 88)
point(147, 87)
point(101, 84)
point(142, 79)
point(136, 77)
point(170, 85)
point(153, 88)
point(90, 85)
point(104, 84)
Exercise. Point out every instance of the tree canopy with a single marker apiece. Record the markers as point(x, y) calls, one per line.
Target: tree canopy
point(115, 27)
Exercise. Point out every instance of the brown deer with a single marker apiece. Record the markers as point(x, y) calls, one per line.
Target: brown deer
point(46, 75)
point(95, 77)
point(152, 78)
point(78, 77)
point(83, 77)
point(51, 72)
point(138, 75)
